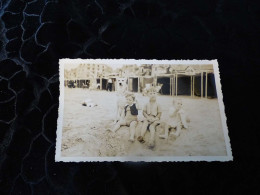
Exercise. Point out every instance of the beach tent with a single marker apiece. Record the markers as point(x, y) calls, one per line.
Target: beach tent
point(82, 83)
point(114, 84)
point(166, 81)
point(208, 87)
point(184, 85)
point(113, 76)
point(102, 83)
point(144, 80)
point(133, 83)
point(202, 81)
point(196, 80)
point(138, 83)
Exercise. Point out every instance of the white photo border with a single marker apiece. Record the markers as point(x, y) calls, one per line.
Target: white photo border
point(59, 158)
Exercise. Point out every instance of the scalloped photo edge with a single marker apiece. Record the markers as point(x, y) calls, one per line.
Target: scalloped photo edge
point(140, 157)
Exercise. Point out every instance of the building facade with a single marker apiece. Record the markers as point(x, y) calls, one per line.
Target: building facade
point(195, 80)
point(87, 71)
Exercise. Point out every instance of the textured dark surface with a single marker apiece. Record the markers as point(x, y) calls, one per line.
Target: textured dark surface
point(35, 34)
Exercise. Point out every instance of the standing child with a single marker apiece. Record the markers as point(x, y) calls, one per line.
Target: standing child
point(109, 85)
point(176, 119)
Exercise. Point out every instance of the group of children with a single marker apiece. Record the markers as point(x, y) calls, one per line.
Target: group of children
point(152, 112)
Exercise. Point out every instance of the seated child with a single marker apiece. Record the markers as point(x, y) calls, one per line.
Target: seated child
point(176, 119)
point(152, 113)
point(128, 116)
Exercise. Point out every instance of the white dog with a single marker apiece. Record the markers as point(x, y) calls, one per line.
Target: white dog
point(121, 87)
point(89, 103)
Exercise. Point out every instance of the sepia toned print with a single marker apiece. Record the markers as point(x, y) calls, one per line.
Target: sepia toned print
point(141, 110)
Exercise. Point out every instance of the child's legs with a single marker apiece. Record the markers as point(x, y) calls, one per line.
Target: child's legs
point(152, 131)
point(118, 114)
point(138, 128)
point(132, 129)
point(166, 129)
point(184, 120)
point(144, 128)
point(118, 125)
point(178, 129)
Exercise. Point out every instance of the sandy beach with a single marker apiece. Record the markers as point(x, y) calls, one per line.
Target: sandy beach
point(84, 129)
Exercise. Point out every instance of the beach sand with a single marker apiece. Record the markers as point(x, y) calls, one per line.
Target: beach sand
point(84, 129)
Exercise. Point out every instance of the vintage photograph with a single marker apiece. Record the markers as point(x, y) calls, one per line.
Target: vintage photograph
point(141, 110)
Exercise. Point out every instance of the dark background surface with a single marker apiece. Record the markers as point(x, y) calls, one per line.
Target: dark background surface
point(34, 35)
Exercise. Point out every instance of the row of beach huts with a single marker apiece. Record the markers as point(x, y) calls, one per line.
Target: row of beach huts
point(191, 80)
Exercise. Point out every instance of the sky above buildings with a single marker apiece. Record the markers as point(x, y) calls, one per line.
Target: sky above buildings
point(114, 64)
point(71, 66)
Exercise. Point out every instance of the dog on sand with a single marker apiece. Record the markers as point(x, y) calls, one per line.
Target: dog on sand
point(121, 86)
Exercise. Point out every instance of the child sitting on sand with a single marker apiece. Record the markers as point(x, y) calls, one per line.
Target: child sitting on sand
point(152, 113)
point(128, 116)
point(176, 119)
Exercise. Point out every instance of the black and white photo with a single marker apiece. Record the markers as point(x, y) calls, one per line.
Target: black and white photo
point(141, 110)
